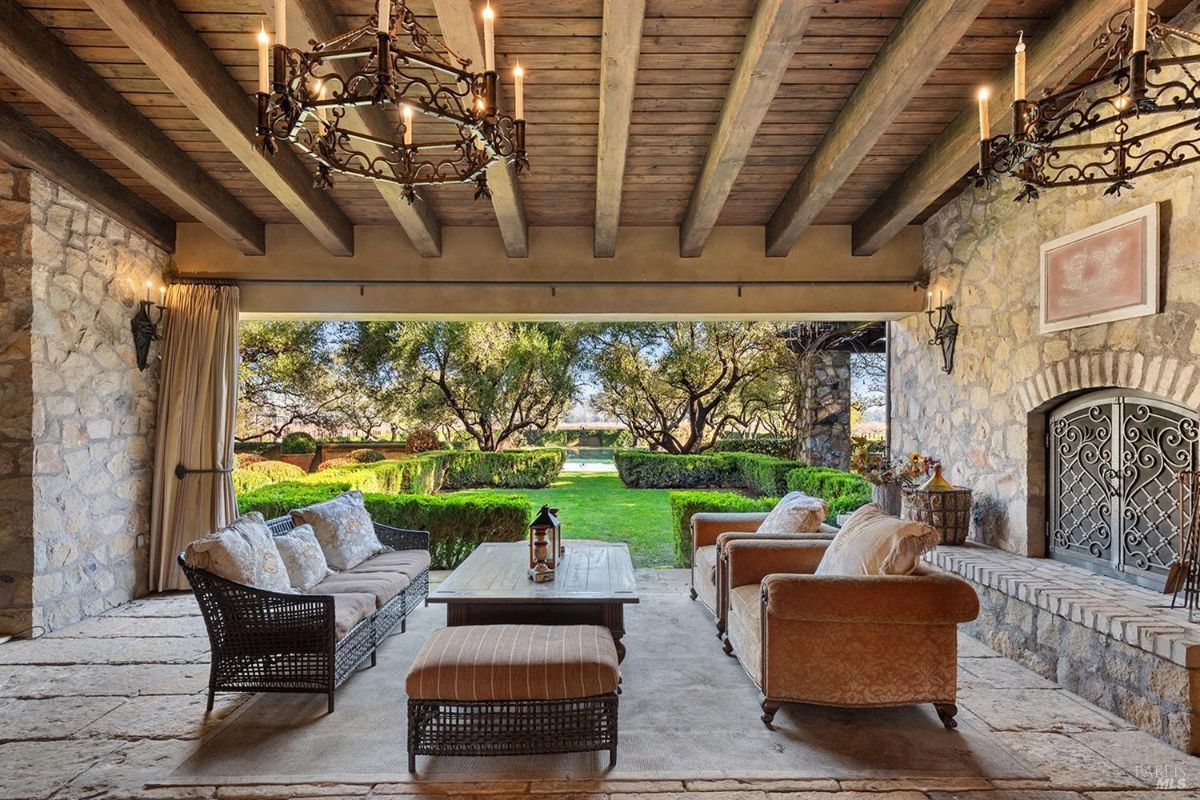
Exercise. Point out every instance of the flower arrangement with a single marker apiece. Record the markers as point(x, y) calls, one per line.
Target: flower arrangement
point(883, 471)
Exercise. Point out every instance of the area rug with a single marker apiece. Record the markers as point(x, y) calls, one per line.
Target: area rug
point(687, 711)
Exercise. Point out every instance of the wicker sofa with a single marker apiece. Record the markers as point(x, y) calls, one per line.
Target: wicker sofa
point(312, 642)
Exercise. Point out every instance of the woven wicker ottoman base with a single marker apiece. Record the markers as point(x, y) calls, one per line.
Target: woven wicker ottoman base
point(492, 690)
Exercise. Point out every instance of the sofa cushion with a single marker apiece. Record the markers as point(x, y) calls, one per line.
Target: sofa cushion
point(382, 586)
point(872, 542)
point(796, 512)
point(349, 609)
point(745, 628)
point(243, 552)
point(514, 662)
point(344, 529)
point(303, 557)
point(409, 562)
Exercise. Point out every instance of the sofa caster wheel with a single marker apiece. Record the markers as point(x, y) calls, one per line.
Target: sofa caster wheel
point(728, 647)
point(946, 712)
point(692, 593)
point(769, 707)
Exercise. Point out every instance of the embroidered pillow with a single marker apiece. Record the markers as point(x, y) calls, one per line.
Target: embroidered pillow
point(873, 542)
point(343, 528)
point(244, 552)
point(303, 557)
point(795, 513)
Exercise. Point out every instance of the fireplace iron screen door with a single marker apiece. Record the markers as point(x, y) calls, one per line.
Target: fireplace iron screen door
point(1115, 457)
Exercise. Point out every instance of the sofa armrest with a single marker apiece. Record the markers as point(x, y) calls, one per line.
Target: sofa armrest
point(708, 525)
point(748, 561)
point(927, 597)
point(402, 538)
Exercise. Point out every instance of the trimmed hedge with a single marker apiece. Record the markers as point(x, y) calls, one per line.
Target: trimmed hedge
point(263, 473)
point(258, 448)
point(508, 469)
point(843, 492)
point(298, 443)
point(685, 504)
point(763, 475)
point(336, 463)
point(366, 455)
point(778, 446)
point(570, 437)
point(456, 525)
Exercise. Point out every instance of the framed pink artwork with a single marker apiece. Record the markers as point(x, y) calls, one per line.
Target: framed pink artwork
point(1103, 273)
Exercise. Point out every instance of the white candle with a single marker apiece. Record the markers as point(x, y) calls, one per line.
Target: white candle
point(264, 60)
point(1019, 69)
point(148, 284)
point(281, 22)
point(489, 38)
point(985, 128)
point(321, 96)
point(1141, 10)
point(519, 79)
point(385, 15)
point(408, 126)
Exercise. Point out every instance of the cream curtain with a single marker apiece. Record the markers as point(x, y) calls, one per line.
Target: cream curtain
point(197, 399)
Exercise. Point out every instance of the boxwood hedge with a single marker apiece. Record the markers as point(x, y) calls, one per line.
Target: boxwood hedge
point(842, 491)
point(457, 525)
point(685, 504)
point(756, 473)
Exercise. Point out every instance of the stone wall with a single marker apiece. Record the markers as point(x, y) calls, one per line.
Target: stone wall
point(983, 421)
point(828, 384)
point(91, 417)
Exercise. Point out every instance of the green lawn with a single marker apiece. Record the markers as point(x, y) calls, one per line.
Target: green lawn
point(598, 506)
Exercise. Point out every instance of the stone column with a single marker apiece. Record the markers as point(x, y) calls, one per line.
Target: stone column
point(76, 415)
point(827, 382)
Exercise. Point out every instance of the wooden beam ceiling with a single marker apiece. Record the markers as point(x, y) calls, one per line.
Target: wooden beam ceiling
point(766, 54)
point(314, 20)
point(461, 34)
point(57, 77)
point(955, 150)
point(165, 41)
point(925, 35)
point(24, 144)
point(621, 42)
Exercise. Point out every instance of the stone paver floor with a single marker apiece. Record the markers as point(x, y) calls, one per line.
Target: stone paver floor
point(97, 710)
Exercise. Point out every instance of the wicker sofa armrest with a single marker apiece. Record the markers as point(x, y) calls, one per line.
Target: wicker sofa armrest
point(927, 597)
point(236, 614)
point(402, 538)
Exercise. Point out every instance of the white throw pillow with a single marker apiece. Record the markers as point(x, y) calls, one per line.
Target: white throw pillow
point(244, 552)
point(343, 528)
point(303, 557)
point(872, 542)
point(795, 513)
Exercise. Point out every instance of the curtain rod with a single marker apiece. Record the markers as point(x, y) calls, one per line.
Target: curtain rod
point(913, 283)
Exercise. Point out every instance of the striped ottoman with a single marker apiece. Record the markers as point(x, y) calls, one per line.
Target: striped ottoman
point(478, 690)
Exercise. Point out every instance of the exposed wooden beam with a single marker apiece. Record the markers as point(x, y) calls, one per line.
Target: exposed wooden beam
point(24, 144)
point(924, 36)
point(314, 20)
point(165, 41)
point(461, 32)
point(956, 149)
point(620, 45)
point(767, 50)
point(48, 69)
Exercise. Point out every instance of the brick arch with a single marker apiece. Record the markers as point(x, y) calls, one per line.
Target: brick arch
point(1159, 375)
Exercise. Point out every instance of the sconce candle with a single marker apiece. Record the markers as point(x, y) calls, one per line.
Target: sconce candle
point(985, 127)
point(489, 38)
point(519, 80)
point(1141, 10)
point(281, 22)
point(1019, 69)
point(385, 16)
point(145, 327)
point(264, 60)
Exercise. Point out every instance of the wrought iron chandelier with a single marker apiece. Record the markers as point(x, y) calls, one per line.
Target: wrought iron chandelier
point(394, 64)
point(1129, 116)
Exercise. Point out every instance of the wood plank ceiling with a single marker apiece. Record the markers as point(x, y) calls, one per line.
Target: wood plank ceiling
point(688, 54)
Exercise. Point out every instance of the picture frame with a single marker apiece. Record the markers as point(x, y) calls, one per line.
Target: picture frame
point(1106, 272)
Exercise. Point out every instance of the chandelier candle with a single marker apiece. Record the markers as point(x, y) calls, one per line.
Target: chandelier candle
point(1019, 69)
point(1141, 10)
point(489, 38)
point(281, 22)
point(264, 67)
point(384, 15)
point(519, 80)
point(408, 126)
point(985, 127)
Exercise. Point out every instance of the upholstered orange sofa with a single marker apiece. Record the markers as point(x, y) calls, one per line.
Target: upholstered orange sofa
point(710, 531)
point(843, 641)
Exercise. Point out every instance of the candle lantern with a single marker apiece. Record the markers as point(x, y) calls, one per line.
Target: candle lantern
point(544, 545)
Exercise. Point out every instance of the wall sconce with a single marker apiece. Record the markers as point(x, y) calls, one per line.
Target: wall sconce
point(145, 328)
point(945, 331)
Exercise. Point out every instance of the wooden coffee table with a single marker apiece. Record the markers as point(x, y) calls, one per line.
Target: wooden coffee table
point(592, 585)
